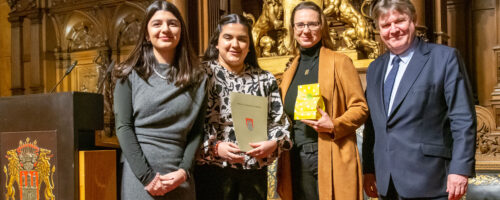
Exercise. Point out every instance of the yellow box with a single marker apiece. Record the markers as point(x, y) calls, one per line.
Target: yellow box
point(308, 100)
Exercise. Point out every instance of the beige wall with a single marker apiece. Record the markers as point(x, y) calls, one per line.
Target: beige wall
point(5, 49)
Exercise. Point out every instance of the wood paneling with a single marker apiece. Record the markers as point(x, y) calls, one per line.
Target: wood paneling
point(5, 76)
point(459, 26)
point(440, 22)
point(483, 55)
point(203, 19)
point(483, 4)
point(98, 175)
point(5, 46)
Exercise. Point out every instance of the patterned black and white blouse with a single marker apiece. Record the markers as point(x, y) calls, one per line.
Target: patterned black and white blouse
point(219, 123)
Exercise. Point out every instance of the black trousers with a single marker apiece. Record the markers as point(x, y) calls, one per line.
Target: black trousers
point(304, 163)
point(213, 182)
point(392, 194)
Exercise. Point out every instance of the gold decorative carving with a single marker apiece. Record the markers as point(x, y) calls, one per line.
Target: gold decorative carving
point(266, 43)
point(18, 5)
point(272, 181)
point(485, 180)
point(84, 36)
point(87, 78)
point(29, 167)
point(359, 32)
point(421, 31)
point(11, 172)
point(487, 141)
point(106, 87)
point(129, 33)
point(57, 2)
point(269, 20)
point(46, 175)
point(12, 4)
point(105, 83)
point(270, 30)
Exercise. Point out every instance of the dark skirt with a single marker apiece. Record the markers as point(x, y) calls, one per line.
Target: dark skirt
point(214, 182)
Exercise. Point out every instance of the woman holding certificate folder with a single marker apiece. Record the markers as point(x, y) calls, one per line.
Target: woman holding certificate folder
point(324, 161)
point(223, 170)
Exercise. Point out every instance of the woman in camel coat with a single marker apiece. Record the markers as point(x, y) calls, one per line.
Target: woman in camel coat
point(324, 162)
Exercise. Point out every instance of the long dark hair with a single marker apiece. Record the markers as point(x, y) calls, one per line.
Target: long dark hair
point(212, 53)
point(185, 69)
point(325, 35)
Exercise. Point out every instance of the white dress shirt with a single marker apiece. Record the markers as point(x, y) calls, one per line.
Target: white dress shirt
point(403, 64)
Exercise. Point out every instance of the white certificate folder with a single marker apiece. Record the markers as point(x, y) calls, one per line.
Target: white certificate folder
point(249, 118)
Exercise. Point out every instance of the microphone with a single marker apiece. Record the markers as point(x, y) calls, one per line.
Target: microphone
point(70, 68)
point(106, 75)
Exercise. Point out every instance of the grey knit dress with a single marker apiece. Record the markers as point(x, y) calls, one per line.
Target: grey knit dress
point(159, 127)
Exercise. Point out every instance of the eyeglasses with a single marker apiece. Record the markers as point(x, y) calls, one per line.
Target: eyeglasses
point(313, 26)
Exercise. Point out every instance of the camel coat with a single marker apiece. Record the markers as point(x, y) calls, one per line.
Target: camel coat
point(339, 167)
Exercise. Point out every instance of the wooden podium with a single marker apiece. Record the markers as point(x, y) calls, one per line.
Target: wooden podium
point(40, 139)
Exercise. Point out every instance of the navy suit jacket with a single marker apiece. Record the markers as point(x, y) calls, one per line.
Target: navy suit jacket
point(431, 131)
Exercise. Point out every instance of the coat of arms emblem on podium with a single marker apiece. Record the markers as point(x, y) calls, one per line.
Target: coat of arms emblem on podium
point(28, 168)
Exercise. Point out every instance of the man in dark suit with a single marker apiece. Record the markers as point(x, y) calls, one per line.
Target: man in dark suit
point(419, 141)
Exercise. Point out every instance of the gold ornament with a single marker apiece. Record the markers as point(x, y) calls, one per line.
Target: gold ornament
point(29, 167)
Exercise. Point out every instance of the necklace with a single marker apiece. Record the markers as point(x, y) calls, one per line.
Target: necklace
point(313, 65)
point(157, 73)
point(306, 72)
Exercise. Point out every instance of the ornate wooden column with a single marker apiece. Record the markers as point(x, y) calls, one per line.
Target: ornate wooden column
point(459, 26)
point(440, 22)
point(62, 61)
point(420, 26)
point(495, 95)
point(182, 6)
point(484, 44)
point(17, 71)
point(208, 17)
point(36, 67)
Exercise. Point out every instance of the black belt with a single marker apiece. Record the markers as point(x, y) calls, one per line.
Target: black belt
point(309, 147)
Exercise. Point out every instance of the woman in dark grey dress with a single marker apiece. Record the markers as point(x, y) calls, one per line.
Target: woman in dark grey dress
point(159, 104)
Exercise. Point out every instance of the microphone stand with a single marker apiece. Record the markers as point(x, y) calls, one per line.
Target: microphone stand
point(70, 68)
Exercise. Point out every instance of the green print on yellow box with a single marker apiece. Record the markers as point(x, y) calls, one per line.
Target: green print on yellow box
point(308, 101)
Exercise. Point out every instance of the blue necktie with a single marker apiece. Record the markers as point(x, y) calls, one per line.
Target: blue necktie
point(389, 82)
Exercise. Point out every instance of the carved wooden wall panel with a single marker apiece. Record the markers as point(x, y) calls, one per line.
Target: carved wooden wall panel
point(91, 32)
point(487, 141)
point(483, 43)
point(459, 26)
point(5, 50)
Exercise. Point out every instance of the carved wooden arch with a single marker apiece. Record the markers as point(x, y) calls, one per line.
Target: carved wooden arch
point(56, 24)
point(487, 140)
point(83, 32)
point(485, 120)
point(126, 24)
